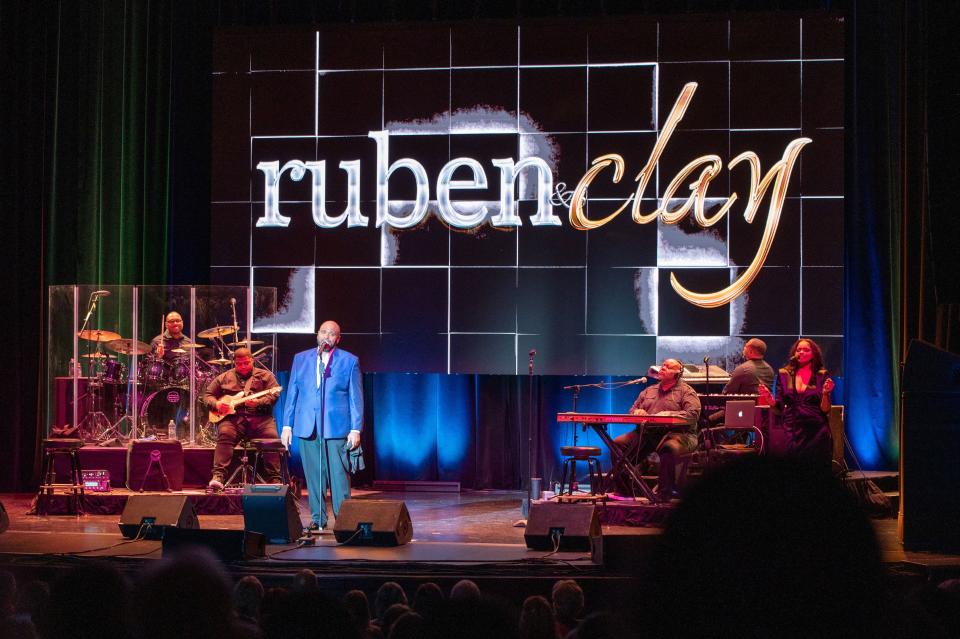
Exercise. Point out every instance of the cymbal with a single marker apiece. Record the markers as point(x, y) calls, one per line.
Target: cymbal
point(188, 346)
point(178, 351)
point(219, 362)
point(98, 355)
point(216, 331)
point(128, 347)
point(247, 342)
point(98, 335)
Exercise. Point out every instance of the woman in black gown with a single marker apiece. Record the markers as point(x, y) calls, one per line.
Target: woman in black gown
point(803, 390)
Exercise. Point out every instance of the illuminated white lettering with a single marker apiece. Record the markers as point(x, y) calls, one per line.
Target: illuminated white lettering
point(271, 190)
point(384, 216)
point(508, 177)
point(445, 184)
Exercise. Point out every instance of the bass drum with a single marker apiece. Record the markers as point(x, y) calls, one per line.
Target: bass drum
point(171, 402)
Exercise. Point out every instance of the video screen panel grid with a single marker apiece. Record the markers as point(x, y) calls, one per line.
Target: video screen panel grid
point(436, 298)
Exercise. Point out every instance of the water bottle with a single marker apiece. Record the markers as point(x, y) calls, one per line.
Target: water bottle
point(72, 367)
point(171, 430)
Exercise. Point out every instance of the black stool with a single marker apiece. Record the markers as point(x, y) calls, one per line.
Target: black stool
point(268, 447)
point(573, 454)
point(247, 473)
point(52, 448)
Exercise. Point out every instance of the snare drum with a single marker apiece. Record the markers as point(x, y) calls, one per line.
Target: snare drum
point(153, 371)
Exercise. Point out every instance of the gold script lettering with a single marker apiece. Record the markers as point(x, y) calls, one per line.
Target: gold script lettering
point(781, 172)
point(578, 219)
point(778, 175)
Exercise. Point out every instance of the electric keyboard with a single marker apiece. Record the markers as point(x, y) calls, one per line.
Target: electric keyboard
point(619, 418)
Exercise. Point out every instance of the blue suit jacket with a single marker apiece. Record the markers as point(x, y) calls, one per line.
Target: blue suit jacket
point(336, 407)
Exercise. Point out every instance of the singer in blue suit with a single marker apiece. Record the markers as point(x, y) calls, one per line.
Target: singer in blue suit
point(324, 408)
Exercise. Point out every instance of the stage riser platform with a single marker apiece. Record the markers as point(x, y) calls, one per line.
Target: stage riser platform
point(112, 503)
point(197, 464)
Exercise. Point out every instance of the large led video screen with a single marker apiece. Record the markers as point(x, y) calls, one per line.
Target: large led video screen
point(605, 192)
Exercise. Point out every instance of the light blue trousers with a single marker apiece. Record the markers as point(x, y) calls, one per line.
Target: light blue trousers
point(325, 466)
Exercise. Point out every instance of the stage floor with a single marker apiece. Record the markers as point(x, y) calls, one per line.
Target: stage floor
point(471, 532)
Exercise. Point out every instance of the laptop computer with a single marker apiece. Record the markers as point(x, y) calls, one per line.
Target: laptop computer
point(739, 413)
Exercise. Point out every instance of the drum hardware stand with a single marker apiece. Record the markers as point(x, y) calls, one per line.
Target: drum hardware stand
point(115, 433)
point(95, 416)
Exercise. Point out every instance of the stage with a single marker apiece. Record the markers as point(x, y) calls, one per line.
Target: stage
point(471, 534)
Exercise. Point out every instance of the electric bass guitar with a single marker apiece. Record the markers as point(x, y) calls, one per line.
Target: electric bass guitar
point(235, 400)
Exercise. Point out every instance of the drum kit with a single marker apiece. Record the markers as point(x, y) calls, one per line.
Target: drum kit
point(162, 384)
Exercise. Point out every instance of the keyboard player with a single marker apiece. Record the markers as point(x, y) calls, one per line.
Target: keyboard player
point(671, 396)
point(753, 377)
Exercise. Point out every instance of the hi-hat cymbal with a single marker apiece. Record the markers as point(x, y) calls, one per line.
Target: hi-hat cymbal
point(216, 331)
point(128, 347)
point(219, 362)
point(178, 351)
point(247, 342)
point(97, 356)
point(98, 335)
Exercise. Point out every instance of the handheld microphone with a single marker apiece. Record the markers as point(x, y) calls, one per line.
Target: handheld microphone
point(323, 344)
point(101, 293)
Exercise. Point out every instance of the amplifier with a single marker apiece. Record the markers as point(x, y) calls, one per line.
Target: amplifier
point(96, 481)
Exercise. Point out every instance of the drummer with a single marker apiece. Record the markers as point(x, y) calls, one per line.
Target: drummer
point(172, 338)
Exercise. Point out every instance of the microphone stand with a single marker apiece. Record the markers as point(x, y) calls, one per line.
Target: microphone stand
point(576, 394)
point(533, 434)
point(83, 327)
point(706, 371)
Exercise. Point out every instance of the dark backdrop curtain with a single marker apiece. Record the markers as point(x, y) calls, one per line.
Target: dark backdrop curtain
point(88, 105)
point(106, 108)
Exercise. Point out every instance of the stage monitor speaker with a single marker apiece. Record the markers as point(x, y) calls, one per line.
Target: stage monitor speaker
point(228, 545)
point(364, 522)
point(149, 516)
point(4, 518)
point(271, 509)
point(930, 447)
point(567, 527)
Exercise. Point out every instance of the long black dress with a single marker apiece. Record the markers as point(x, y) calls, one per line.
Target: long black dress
point(807, 427)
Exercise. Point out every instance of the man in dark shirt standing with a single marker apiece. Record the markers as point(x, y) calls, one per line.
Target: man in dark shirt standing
point(672, 396)
point(253, 419)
